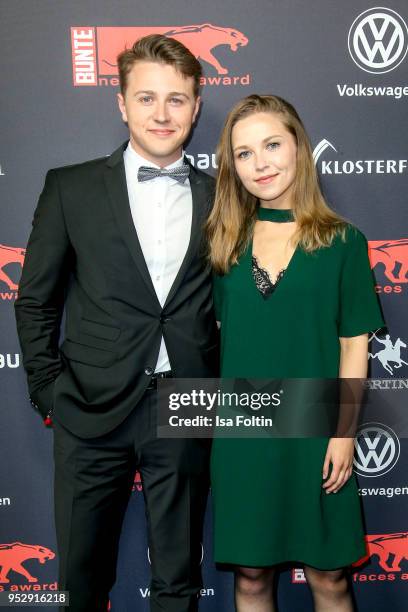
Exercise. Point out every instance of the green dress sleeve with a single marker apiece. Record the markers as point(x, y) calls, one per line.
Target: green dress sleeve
point(359, 306)
point(217, 295)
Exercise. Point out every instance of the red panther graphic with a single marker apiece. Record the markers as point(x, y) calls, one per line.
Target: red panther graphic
point(10, 255)
point(13, 555)
point(390, 253)
point(200, 39)
point(384, 545)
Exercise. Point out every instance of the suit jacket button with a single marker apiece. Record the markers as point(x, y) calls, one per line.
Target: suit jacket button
point(149, 371)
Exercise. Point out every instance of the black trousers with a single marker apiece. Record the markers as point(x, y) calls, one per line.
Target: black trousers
point(93, 482)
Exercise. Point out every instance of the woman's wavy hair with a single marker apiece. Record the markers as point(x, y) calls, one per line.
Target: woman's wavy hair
point(230, 224)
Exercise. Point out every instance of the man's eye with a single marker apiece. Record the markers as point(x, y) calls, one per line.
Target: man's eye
point(243, 155)
point(272, 145)
point(145, 99)
point(176, 101)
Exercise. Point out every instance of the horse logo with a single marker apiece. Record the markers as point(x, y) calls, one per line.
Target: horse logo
point(200, 39)
point(390, 354)
point(13, 555)
point(390, 548)
point(9, 255)
point(393, 254)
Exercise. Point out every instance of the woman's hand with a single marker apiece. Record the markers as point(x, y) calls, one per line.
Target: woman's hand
point(340, 453)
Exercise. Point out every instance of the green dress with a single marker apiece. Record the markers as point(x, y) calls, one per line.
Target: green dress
point(269, 505)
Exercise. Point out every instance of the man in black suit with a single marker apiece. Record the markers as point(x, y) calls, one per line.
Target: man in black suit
point(119, 243)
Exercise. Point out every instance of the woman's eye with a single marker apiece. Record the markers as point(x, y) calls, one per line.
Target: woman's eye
point(243, 155)
point(271, 146)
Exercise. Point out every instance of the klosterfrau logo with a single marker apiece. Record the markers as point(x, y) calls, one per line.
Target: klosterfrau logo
point(95, 49)
point(378, 40)
point(337, 165)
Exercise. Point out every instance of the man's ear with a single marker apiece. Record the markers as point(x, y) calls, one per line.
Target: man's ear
point(196, 107)
point(122, 107)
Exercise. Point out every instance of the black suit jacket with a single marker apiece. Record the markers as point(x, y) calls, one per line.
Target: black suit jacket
point(84, 254)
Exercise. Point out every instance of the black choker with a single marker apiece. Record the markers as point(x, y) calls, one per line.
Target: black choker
point(276, 215)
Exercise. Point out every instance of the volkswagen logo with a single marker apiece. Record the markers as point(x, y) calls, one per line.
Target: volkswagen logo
point(377, 450)
point(378, 40)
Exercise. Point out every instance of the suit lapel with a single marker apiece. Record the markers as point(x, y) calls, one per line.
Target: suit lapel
point(115, 180)
point(199, 199)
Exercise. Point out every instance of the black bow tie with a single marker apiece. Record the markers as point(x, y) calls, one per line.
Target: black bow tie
point(179, 174)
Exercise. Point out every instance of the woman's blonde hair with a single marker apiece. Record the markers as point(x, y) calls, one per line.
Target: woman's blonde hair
point(230, 224)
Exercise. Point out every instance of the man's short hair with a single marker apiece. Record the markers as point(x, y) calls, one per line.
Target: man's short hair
point(162, 50)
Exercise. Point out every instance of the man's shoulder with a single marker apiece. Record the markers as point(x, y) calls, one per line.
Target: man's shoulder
point(80, 167)
point(204, 177)
point(89, 166)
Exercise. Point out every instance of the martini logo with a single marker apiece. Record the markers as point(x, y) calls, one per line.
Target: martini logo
point(353, 166)
point(390, 257)
point(12, 556)
point(9, 256)
point(389, 354)
point(378, 40)
point(377, 450)
point(95, 49)
point(390, 549)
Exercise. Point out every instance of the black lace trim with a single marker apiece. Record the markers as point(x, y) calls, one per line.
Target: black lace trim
point(263, 280)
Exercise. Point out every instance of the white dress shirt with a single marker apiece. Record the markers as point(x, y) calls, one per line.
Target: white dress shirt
point(162, 211)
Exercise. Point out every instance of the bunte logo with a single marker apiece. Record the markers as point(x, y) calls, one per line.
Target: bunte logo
point(389, 548)
point(10, 255)
point(13, 555)
point(95, 49)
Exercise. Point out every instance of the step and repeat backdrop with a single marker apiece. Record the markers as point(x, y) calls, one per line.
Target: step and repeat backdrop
point(344, 66)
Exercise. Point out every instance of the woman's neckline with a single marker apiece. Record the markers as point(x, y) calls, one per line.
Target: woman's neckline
point(276, 215)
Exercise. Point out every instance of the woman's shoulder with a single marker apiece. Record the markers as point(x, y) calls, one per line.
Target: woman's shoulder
point(349, 236)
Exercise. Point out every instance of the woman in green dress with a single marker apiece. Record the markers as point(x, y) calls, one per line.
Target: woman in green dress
point(295, 298)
